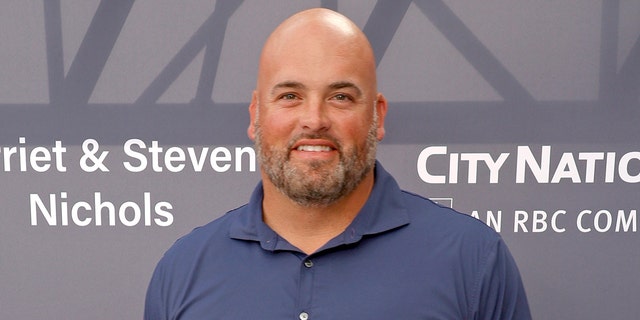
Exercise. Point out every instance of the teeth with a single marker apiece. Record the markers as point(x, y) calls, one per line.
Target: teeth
point(314, 148)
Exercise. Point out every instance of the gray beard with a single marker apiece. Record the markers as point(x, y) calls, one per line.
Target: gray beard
point(317, 184)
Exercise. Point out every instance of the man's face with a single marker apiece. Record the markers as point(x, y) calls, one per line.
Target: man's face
point(315, 123)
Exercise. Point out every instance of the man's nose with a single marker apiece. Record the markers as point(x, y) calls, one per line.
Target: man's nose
point(315, 116)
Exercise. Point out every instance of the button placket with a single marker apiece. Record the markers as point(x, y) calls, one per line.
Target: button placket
point(307, 273)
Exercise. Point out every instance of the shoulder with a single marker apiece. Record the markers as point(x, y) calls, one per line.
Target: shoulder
point(428, 215)
point(423, 214)
point(206, 238)
point(479, 252)
point(458, 238)
point(191, 259)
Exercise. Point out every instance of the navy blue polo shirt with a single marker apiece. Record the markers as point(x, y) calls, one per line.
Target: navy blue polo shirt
point(403, 257)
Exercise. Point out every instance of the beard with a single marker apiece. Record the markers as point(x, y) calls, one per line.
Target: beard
point(317, 183)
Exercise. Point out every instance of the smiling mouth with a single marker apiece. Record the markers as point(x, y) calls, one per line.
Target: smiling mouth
point(314, 148)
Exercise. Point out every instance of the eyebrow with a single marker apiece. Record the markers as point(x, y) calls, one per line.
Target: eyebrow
point(346, 84)
point(289, 85)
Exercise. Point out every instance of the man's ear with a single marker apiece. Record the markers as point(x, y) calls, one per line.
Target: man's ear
point(381, 108)
point(251, 130)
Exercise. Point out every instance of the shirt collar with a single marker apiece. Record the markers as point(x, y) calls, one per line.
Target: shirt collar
point(383, 211)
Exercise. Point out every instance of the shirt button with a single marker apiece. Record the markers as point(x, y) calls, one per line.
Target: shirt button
point(308, 263)
point(303, 316)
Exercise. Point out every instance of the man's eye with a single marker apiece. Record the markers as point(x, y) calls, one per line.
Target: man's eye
point(341, 97)
point(288, 96)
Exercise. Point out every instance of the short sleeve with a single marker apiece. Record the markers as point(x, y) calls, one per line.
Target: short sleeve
point(501, 294)
point(155, 307)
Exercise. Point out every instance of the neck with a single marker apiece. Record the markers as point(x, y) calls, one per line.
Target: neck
point(309, 228)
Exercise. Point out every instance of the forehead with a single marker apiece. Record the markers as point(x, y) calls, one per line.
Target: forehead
point(309, 68)
point(315, 54)
point(311, 64)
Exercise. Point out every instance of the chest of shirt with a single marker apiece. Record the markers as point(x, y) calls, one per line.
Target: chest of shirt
point(346, 283)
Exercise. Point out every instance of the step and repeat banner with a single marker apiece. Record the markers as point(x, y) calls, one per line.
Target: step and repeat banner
point(123, 126)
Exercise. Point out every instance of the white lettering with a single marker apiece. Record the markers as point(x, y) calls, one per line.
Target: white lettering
point(136, 155)
point(252, 158)
point(520, 218)
point(526, 160)
point(422, 165)
point(610, 168)
point(176, 159)
point(623, 169)
point(539, 221)
point(174, 154)
point(607, 218)
point(220, 154)
point(122, 213)
point(453, 167)
point(590, 170)
point(197, 161)
point(602, 221)
point(493, 220)
point(554, 221)
point(49, 214)
point(472, 160)
point(566, 169)
point(39, 159)
point(579, 223)
point(75, 217)
point(623, 223)
point(129, 213)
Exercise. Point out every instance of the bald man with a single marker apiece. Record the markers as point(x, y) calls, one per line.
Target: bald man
point(328, 234)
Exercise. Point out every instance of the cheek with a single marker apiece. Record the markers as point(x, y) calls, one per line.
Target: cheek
point(275, 128)
point(353, 137)
point(357, 127)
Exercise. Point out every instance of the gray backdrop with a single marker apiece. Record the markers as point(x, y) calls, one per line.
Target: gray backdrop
point(524, 113)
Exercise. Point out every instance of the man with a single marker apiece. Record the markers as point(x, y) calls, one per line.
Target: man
point(328, 234)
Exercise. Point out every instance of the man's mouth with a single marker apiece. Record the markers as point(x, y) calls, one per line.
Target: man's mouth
point(314, 148)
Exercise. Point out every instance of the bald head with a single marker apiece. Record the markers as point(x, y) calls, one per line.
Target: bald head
point(316, 36)
point(319, 19)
